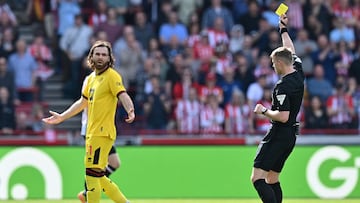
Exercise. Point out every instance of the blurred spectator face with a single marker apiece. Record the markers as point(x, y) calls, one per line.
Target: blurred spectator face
point(315, 103)
point(178, 61)
point(174, 42)
point(8, 35)
point(3, 65)
point(140, 18)
point(128, 31)
point(216, 3)
point(192, 94)
point(323, 41)
point(219, 24)
point(102, 35)
point(111, 14)
point(194, 18)
point(4, 94)
point(319, 71)
point(39, 40)
point(148, 65)
point(238, 97)
point(253, 8)
point(212, 101)
point(302, 35)
point(78, 20)
point(267, 94)
point(4, 19)
point(153, 44)
point(237, 31)
point(102, 6)
point(21, 46)
point(173, 19)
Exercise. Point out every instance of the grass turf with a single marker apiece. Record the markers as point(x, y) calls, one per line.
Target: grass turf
point(192, 201)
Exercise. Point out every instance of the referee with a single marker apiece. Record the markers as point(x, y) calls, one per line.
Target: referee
point(279, 142)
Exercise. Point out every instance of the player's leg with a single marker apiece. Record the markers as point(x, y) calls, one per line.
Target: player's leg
point(106, 185)
point(113, 162)
point(264, 160)
point(273, 180)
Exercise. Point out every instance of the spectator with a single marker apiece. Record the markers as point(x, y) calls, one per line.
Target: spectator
point(194, 35)
point(304, 47)
point(326, 56)
point(185, 8)
point(256, 90)
point(8, 39)
point(120, 7)
point(210, 87)
point(7, 80)
point(42, 54)
point(37, 113)
point(67, 12)
point(143, 30)
point(238, 115)
point(270, 16)
point(354, 70)
point(340, 108)
point(236, 38)
point(250, 20)
point(354, 91)
point(157, 107)
point(75, 43)
point(343, 9)
point(173, 28)
point(228, 84)
point(24, 67)
point(295, 14)
point(181, 89)
point(187, 112)
point(7, 112)
point(99, 15)
point(243, 71)
point(212, 116)
point(318, 85)
point(130, 58)
point(262, 123)
point(317, 17)
point(342, 32)
point(111, 26)
point(217, 34)
point(7, 14)
point(213, 13)
point(172, 48)
point(203, 52)
point(263, 67)
point(173, 74)
point(316, 115)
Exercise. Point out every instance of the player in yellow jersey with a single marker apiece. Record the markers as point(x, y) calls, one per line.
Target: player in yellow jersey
point(100, 96)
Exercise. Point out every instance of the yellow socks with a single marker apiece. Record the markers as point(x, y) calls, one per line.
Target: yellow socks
point(93, 193)
point(112, 190)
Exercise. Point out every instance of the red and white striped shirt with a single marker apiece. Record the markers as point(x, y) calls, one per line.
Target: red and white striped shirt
point(216, 37)
point(342, 104)
point(188, 116)
point(212, 120)
point(238, 116)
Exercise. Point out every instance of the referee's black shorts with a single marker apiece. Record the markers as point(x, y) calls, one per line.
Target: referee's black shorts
point(275, 148)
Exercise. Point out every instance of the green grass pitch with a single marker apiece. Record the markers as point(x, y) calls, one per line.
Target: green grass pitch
point(193, 201)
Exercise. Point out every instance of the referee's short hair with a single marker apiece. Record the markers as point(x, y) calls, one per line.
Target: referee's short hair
point(283, 54)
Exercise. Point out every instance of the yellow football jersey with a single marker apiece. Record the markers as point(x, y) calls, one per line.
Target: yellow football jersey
point(101, 91)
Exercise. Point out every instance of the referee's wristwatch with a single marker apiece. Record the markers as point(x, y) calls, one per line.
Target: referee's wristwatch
point(264, 110)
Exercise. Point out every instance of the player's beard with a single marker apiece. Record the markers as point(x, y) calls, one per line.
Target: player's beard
point(100, 65)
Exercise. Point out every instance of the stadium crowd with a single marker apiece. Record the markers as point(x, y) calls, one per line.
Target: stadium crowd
point(193, 67)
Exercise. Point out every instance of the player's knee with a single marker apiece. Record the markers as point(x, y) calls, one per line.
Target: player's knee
point(272, 178)
point(94, 172)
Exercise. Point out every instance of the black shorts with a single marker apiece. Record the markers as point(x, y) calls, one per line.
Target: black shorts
point(275, 148)
point(112, 150)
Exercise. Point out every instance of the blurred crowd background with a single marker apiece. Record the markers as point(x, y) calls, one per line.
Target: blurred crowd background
point(191, 66)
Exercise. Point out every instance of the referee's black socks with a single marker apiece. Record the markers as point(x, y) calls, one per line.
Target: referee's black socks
point(278, 192)
point(265, 191)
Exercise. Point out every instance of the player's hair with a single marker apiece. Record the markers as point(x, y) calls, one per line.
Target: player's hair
point(99, 43)
point(283, 54)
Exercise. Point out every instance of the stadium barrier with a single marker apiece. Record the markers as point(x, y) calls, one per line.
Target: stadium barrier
point(324, 171)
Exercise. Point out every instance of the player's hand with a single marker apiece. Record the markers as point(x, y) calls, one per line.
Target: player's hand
point(258, 108)
point(283, 21)
point(55, 118)
point(131, 117)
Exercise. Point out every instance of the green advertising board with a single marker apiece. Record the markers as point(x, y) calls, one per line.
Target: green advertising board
point(179, 172)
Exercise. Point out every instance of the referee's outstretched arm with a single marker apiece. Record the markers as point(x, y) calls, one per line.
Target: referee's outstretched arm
point(286, 40)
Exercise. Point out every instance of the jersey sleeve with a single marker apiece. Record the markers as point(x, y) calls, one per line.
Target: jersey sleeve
point(282, 99)
point(116, 84)
point(85, 88)
point(298, 64)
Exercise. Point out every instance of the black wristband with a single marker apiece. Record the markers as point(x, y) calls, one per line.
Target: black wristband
point(264, 111)
point(282, 30)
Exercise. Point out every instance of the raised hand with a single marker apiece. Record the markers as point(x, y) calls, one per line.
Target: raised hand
point(55, 118)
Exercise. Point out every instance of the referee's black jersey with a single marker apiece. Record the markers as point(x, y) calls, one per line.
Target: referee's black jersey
point(288, 93)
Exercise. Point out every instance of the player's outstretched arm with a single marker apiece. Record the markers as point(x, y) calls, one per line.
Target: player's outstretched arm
point(286, 40)
point(128, 106)
point(74, 109)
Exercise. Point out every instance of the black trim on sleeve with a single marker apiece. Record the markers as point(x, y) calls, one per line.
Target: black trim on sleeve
point(84, 97)
point(117, 95)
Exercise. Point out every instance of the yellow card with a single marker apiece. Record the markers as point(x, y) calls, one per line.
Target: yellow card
point(281, 9)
